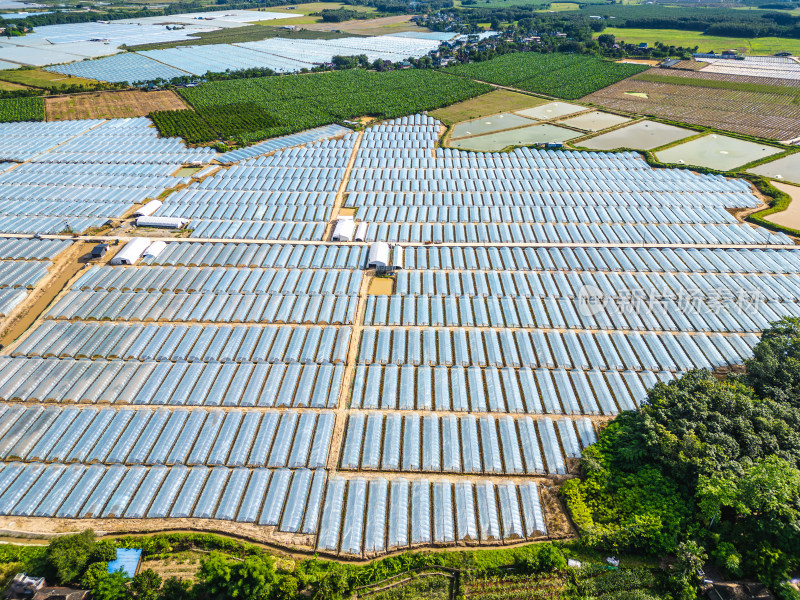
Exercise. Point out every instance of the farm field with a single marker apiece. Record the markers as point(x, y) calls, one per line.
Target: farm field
point(43, 79)
point(705, 43)
point(21, 109)
point(111, 105)
point(752, 106)
point(559, 75)
point(296, 102)
point(492, 103)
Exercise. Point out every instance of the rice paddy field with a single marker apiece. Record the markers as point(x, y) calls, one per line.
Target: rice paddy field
point(755, 106)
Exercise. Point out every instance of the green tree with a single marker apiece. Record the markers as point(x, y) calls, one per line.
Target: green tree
point(93, 574)
point(334, 585)
point(774, 370)
point(146, 585)
point(175, 589)
point(112, 586)
point(69, 555)
point(103, 550)
point(252, 578)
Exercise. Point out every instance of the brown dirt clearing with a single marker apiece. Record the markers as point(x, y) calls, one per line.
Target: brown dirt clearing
point(111, 105)
point(370, 26)
point(381, 286)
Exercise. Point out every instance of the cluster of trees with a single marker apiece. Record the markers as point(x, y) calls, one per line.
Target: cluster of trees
point(340, 15)
point(708, 468)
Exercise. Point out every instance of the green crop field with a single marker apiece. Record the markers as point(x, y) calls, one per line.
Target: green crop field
point(22, 109)
point(185, 123)
point(289, 103)
point(705, 43)
point(568, 76)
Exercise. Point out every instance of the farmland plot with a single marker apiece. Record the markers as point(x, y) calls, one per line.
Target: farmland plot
point(560, 75)
point(759, 107)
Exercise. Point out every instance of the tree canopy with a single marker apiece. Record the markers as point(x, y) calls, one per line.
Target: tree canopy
point(706, 459)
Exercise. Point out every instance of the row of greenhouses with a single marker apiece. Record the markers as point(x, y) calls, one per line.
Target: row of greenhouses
point(571, 284)
point(552, 349)
point(174, 436)
point(40, 197)
point(504, 390)
point(219, 343)
point(170, 383)
point(486, 258)
point(221, 280)
point(258, 230)
point(288, 256)
point(428, 442)
point(539, 214)
point(368, 516)
point(22, 273)
point(207, 307)
point(627, 310)
point(161, 492)
point(248, 212)
point(565, 233)
point(10, 299)
point(31, 249)
point(287, 141)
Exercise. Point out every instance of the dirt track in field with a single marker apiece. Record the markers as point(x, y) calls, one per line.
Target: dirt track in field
point(111, 105)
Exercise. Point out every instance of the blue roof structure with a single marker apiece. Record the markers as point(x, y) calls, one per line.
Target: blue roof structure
point(127, 561)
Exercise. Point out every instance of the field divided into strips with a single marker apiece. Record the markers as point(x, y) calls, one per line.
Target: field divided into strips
point(565, 76)
point(248, 381)
point(76, 175)
point(759, 106)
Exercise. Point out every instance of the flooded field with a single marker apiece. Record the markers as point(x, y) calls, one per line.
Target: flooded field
point(786, 168)
point(595, 121)
point(716, 152)
point(490, 125)
point(524, 136)
point(551, 110)
point(644, 135)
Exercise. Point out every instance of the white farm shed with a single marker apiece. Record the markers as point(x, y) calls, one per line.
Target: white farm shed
point(344, 230)
point(154, 249)
point(148, 209)
point(131, 252)
point(166, 222)
point(379, 255)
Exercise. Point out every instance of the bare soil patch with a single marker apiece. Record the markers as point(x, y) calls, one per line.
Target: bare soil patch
point(381, 286)
point(111, 105)
point(640, 61)
point(379, 26)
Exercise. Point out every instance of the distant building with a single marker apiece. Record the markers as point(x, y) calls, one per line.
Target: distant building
point(23, 586)
point(643, 46)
